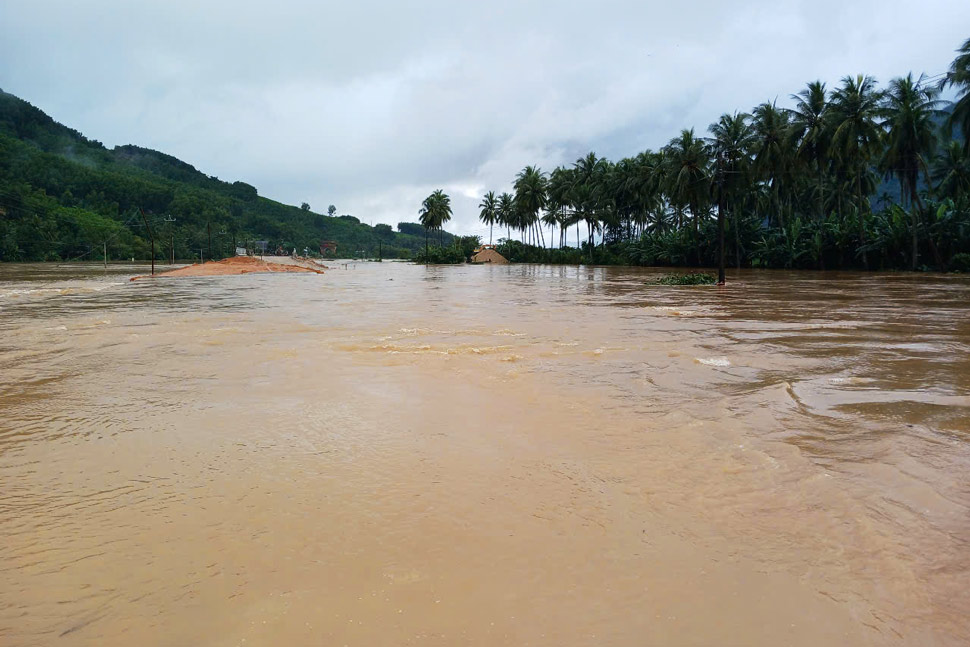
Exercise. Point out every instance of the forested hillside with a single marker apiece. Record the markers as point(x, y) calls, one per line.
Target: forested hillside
point(64, 196)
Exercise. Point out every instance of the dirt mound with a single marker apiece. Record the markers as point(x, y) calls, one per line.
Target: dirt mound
point(238, 265)
point(489, 256)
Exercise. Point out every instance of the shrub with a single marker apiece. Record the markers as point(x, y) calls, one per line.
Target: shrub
point(960, 262)
point(693, 278)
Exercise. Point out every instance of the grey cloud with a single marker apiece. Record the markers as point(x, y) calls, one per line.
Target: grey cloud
point(371, 105)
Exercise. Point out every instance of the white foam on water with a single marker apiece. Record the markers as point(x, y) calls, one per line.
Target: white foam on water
point(713, 361)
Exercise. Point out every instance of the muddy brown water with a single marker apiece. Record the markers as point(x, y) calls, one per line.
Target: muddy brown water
point(393, 454)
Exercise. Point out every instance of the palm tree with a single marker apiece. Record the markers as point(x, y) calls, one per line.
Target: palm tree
point(505, 212)
point(585, 194)
point(911, 139)
point(689, 180)
point(951, 171)
point(488, 213)
point(959, 77)
point(530, 195)
point(732, 138)
point(772, 152)
point(557, 193)
point(856, 137)
point(435, 212)
point(809, 120)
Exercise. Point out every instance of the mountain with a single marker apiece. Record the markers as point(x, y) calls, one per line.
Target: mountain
point(63, 196)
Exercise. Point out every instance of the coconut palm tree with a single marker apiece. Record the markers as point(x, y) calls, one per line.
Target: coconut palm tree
point(910, 141)
point(688, 180)
point(557, 193)
point(809, 123)
point(732, 140)
point(959, 77)
point(951, 171)
point(773, 153)
point(530, 195)
point(505, 213)
point(488, 213)
point(435, 212)
point(856, 138)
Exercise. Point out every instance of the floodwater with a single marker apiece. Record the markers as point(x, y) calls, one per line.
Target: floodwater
point(392, 454)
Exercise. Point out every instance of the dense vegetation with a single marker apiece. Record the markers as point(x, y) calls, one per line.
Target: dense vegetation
point(63, 196)
point(793, 187)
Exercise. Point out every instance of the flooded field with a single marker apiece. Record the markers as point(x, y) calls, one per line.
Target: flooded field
point(393, 454)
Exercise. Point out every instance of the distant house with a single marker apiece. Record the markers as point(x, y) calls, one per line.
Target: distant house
point(488, 254)
point(328, 247)
point(240, 251)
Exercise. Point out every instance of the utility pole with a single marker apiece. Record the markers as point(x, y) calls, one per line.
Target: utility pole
point(720, 218)
point(151, 235)
point(380, 250)
point(105, 254)
point(171, 231)
point(208, 228)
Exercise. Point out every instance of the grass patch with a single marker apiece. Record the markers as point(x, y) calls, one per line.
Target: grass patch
point(693, 278)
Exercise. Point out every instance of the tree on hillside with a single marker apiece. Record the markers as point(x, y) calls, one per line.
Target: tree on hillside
point(331, 210)
point(305, 206)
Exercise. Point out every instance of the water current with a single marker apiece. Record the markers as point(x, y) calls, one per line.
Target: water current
point(392, 454)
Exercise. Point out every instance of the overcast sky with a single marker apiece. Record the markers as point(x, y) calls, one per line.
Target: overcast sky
point(372, 105)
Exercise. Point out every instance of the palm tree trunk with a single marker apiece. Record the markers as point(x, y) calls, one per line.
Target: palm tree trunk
point(938, 259)
point(916, 209)
point(862, 227)
point(490, 233)
point(821, 199)
point(697, 233)
point(737, 238)
point(720, 234)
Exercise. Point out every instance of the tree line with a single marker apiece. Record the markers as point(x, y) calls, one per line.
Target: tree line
point(856, 176)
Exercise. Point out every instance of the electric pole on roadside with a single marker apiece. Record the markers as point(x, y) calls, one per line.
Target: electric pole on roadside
point(208, 229)
point(172, 232)
point(151, 235)
point(720, 218)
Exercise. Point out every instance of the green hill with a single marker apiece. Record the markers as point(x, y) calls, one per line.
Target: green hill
point(63, 196)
